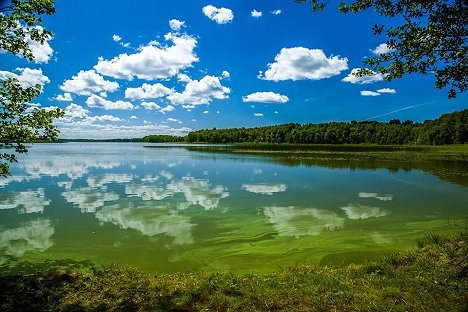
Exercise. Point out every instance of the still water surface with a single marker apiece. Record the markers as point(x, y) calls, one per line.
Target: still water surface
point(175, 210)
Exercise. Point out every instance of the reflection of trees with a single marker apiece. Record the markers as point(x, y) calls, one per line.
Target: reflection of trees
point(294, 221)
point(26, 202)
point(264, 188)
point(29, 236)
point(343, 157)
point(149, 220)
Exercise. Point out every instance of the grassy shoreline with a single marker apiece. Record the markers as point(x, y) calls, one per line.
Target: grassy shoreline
point(433, 277)
point(344, 151)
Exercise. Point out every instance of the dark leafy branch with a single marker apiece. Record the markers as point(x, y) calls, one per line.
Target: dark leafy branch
point(431, 40)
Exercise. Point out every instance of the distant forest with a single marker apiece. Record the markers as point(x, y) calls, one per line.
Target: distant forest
point(448, 129)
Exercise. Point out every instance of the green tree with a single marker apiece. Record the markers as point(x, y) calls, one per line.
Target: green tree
point(429, 36)
point(20, 22)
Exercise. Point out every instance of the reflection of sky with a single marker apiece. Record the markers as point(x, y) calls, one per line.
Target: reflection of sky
point(149, 220)
point(29, 236)
point(147, 192)
point(386, 197)
point(100, 181)
point(356, 211)
point(89, 200)
point(72, 167)
point(199, 192)
point(294, 221)
point(26, 202)
point(264, 188)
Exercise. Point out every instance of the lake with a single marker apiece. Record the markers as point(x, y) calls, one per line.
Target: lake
point(172, 209)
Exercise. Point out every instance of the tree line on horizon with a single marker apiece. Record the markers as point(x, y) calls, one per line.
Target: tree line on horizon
point(448, 129)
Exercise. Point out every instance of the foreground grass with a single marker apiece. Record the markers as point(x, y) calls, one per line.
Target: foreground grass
point(433, 277)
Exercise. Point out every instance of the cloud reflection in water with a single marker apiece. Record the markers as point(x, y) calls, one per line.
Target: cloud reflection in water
point(29, 236)
point(294, 221)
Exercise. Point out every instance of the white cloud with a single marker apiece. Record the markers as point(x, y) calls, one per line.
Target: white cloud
point(265, 189)
point(258, 114)
point(150, 106)
point(168, 108)
point(256, 13)
point(176, 25)
point(154, 106)
point(354, 79)
point(97, 101)
point(133, 117)
point(28, 77)
point(200, 92)
point(276, 12)
point(387, 90)
point(153, 61)
point(266, 97)
point(66, 97)
point(219, 15)
point(369, 93)
point(225, 74)
point(206, 112)
point(148, 91)
point(301, 63)
point(103, 118)
point(76, 111)
point(382, 49)
point(356, 212)
point(87, 83)
point(42, 52)
point(116, 38)
point(85, 129)
point(173, 120)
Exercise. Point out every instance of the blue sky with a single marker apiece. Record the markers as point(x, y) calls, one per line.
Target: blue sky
point(133, 68)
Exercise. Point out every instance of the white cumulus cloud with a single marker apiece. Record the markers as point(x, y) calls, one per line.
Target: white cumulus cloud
point(369, 93)
point(266, 97)
point(199, 92)
point(382, 49)
point(219, 15)
point(153, 61)
point(42, 52)
point(97, 101)
point(66, 97)
point(176, 25)
point(147, 91)
point(354, 79)
point(300, 63)
point(116, 38)
point(387, 90)
point(87, 83)
point(27, 77)
point(276, 12)
point(256, 13)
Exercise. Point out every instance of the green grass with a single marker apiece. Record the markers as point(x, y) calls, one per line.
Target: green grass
point(433, 277)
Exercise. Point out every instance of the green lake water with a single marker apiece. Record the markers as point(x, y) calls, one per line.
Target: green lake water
point(175, 210)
